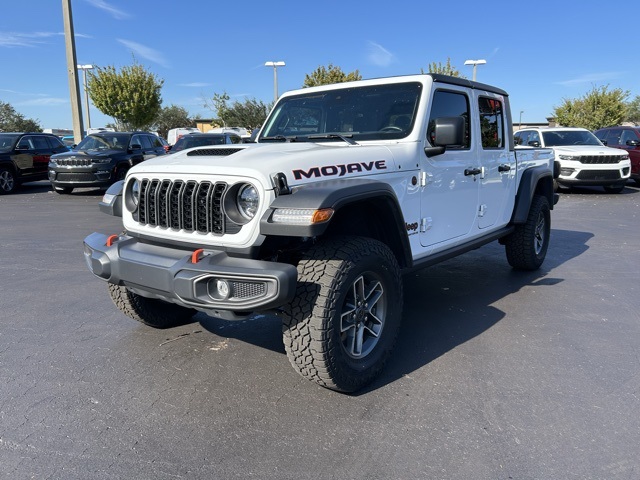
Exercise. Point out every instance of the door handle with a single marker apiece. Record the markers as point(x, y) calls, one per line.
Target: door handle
point(472, 171)
point(504, 167)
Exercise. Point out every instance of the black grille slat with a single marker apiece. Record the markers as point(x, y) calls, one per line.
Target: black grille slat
point(191, 206)
point(600, 159)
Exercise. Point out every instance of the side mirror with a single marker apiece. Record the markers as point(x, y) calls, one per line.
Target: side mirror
point(534, 143)
point(604, 142)
point(447, 131)
point(136, 146)
point(633, 143)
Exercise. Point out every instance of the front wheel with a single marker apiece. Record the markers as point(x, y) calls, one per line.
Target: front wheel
point(342, 325)
point(526, 247)
point(152, 312)
point(8, 182)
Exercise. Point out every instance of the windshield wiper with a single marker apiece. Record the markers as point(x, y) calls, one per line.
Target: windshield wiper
point(345, 138)
point(278, 138)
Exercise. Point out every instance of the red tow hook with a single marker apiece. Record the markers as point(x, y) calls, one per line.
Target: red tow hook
point(197, 255)
point(111, 239)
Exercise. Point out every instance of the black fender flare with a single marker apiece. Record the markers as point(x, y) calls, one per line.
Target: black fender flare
point(334, 194)
point(534, 180)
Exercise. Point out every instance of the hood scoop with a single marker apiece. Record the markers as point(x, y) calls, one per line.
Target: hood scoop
point(219, 152)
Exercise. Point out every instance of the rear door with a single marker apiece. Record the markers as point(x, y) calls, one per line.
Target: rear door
point(497, 163)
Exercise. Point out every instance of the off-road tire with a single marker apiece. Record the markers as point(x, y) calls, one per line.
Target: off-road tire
point(8, 181)
point(322, 323)
point(152, 312)
point(527, 246)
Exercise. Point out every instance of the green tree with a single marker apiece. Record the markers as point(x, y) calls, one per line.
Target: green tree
point(598, 108)
point(12, 121)
point(329, 74)
point(446, 69)
point(170, 117)
point(248, 114)
point(131, 96)
point(633, 110)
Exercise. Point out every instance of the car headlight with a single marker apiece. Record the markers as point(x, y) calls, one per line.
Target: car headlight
point(101, 160)
point(247, 201)
point(132, 195)
point(135, 192)
point(569, 157)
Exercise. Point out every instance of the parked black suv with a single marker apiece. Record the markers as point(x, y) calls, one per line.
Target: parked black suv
point(24, 158)
point(101, 159)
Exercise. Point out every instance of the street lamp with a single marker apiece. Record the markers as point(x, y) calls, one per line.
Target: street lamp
point(84, 69)
point(275, 66)
point(475, 64)
point(520, 122)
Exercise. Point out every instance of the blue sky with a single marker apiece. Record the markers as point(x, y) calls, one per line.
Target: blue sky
point(540, 52)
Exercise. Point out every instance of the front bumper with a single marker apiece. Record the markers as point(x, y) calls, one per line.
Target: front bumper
point(209, 280)
point(93, 176)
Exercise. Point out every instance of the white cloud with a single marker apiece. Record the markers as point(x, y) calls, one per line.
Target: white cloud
point(11, 39)
point(113, 11)
point(380, 56)
point(591, 78)
point(145, 52)
point(43, 102)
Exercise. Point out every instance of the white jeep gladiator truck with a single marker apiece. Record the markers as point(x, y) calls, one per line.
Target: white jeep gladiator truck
point(348, 186)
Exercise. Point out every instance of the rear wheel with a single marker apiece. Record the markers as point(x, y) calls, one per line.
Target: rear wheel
point(152, 312)
point(8, 182)
point(526, 247)
point(341, 327)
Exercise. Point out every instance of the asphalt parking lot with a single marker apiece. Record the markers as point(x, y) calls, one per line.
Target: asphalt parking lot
point(497, 374)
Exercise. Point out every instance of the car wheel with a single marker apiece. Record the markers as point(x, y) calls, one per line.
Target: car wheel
point(152, 312)
point(121, 174)
point(614, 188)
point(342, 325)
point(8, 182)
point(526, 247)
point(63, 190)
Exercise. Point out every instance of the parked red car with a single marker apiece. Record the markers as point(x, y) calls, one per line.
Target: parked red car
point(627, 138)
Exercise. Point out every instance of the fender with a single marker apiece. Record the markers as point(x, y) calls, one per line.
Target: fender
point(111, 202)
point(333, 194)
point(534, 180)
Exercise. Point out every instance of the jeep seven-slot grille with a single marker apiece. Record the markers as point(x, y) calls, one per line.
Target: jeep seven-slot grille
point(184, 205)
point(601, 159)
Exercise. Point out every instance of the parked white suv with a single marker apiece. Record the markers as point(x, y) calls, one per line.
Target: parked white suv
point(583, 159)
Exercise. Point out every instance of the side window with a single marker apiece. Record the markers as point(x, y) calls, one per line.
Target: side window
point(534, 137)
point(136, 140)
point(25, 143)
point(40, 143)
point(491, 122)
point(55, 142)
point(147, 141)
point(449, 104)
point(626, 136)
point(155, 141)
point(613, 137)
point(521, 138)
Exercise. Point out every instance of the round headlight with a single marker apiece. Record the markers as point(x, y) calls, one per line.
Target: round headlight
point(247, 201)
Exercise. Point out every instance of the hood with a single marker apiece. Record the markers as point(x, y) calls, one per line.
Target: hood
point(588, 150)
point(90, 154)
point(300, 162)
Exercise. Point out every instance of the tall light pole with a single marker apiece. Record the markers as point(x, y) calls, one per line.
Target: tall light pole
point(74, 89)
point(275, 66)
point(520, 122)
point(84, 69)
point(475, 64)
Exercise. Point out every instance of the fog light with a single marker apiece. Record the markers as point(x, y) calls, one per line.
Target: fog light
point(566, 172)
point(219, 289)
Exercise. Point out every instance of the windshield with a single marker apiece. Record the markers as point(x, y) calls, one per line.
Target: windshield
point(378, 112)
point(569, 137)
point(113, 141)
point(7, 141)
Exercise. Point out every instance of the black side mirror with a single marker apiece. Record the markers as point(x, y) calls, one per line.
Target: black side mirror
point(447, 131)
point(633, 143)
point(136, 146)
point(534, 143)
point(604, 142)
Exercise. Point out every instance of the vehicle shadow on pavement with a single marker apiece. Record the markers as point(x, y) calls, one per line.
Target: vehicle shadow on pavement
point(445, 305)
point(451, 303)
